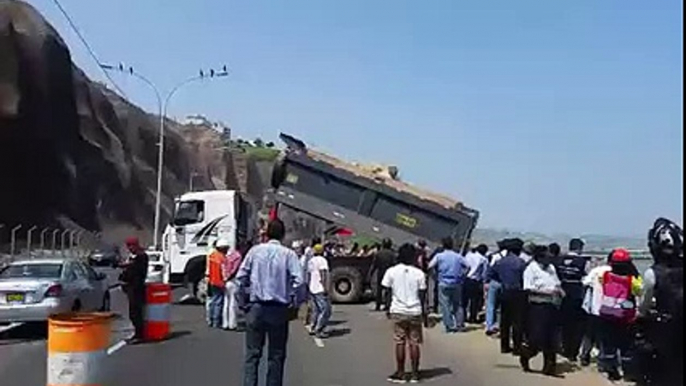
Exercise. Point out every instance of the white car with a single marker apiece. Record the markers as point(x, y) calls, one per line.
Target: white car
point(33, 289)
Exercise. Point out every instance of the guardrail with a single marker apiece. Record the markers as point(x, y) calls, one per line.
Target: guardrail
point(27, 240)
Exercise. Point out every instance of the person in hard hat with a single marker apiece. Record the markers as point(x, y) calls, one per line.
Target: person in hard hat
point(133, 276)
point(230, 308)
point(216, 260)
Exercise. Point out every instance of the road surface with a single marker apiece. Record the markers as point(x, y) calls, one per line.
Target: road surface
point(358, 354)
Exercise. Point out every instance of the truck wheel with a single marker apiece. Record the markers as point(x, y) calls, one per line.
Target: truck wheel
point(198, 288)
point(347, 285)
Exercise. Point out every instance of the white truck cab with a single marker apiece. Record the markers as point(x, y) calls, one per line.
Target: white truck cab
point(200, 218)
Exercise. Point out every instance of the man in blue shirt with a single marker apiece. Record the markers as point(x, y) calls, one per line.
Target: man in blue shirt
point(451, 269)
point(268, 282)
point(509, 271)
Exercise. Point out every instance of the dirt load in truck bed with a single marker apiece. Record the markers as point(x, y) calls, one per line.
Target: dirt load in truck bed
point(400, 186)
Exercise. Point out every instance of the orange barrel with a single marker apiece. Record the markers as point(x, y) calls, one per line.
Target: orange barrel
point(77, 349)
point(157, 311)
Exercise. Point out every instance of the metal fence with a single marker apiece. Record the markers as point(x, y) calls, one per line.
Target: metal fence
point(31, 241)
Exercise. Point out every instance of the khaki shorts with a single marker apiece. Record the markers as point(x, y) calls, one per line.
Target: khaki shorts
point(407, 329)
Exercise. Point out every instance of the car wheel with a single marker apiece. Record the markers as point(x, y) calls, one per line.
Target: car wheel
point(106, 302)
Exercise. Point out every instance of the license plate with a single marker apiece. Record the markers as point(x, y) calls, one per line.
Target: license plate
point(14, 298)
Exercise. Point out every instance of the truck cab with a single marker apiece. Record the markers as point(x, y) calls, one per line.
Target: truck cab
point(200, 218)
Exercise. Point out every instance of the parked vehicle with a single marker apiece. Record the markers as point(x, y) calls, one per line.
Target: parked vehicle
point(105, 257)
point(33, 289)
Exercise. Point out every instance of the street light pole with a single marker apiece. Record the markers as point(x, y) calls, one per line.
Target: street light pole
point(163, 113)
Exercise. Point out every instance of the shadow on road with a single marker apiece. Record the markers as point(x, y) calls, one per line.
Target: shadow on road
point(434, 373)
point(27, 332)
point(336, 322)
point(336, 333)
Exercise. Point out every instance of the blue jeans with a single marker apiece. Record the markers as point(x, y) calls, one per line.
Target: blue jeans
point(322, 312)
point(265, 321)
point(215, 306)
point(492, 299)
point(450, 299)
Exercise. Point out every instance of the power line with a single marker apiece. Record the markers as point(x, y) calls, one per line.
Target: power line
point(88, 47)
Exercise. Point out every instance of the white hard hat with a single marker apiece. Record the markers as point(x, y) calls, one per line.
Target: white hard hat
point(223, 243)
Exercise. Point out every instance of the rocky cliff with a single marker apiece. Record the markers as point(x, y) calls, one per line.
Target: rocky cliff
point(72, 151)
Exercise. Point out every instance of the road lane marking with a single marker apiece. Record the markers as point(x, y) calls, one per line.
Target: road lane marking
point(318, 342)
point(116, 347)
point(10, 327)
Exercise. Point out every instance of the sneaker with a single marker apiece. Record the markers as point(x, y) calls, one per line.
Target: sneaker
point(414, 378)
point(397, 377)
point(585, 362)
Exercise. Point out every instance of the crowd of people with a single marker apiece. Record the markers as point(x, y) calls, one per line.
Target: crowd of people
point(537, 300)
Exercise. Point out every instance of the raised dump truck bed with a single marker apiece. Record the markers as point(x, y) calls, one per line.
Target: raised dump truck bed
point(369, 203)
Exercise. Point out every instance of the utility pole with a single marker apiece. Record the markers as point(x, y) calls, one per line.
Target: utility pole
point(162, 114)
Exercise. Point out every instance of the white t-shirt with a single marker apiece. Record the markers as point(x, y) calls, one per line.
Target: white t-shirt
point(405, 283)
point(314, 268)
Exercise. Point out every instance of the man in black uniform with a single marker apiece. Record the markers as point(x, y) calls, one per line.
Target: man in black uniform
point(133, 278)
point(383, 260)
point(571, 269)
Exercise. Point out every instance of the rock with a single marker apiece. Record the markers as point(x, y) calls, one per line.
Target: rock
point(70, 148)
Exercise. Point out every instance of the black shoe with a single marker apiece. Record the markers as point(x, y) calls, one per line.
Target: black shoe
point(414, 377)
point(524, 362)
point(397, 377)
point(585, 362)
point(506, 350)
point(614, 376)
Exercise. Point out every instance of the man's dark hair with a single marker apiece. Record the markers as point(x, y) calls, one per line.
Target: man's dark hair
point(576, 245)
point(276, 230)
point(515, 246)
point(447, 243)
point(540, 252)
point(555, 249)
point(315, 241)
point(386, 243)
point(407, 254)
point(422, 243)
point(482, 249)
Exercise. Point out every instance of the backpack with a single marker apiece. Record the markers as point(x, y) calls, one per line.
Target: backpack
point(618, 303)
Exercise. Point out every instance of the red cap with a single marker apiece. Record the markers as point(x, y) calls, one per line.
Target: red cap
point(620, 256)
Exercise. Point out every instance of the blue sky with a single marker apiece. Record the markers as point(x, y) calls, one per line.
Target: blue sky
point(551, 116)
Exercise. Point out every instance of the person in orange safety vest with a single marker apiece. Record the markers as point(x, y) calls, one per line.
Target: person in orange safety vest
point(215, 283)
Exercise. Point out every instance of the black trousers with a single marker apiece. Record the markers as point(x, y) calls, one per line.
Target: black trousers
point(541, 333)
point(513, 313)
point(136, 298)
point(473, 299)
point(591, 336)
point(380, 295)
point(573, 322)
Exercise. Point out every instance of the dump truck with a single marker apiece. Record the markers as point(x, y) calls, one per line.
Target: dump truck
point(368, 200)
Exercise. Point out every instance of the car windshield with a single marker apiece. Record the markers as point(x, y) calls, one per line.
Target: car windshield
point(38, 271)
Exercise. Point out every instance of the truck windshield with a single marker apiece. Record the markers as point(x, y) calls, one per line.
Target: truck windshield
point(189, 212)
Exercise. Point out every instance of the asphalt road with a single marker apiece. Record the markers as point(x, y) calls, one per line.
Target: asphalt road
point(359, 353)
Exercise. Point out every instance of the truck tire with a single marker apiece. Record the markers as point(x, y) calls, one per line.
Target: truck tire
point(195, 280)
point(347, 285)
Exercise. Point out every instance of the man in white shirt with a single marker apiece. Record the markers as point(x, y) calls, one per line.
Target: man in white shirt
point(318, 283)
point(407, 286)
point(473, 295)
point(591, 305)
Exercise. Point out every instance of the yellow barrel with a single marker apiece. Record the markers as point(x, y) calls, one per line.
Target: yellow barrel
point(77, 349)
